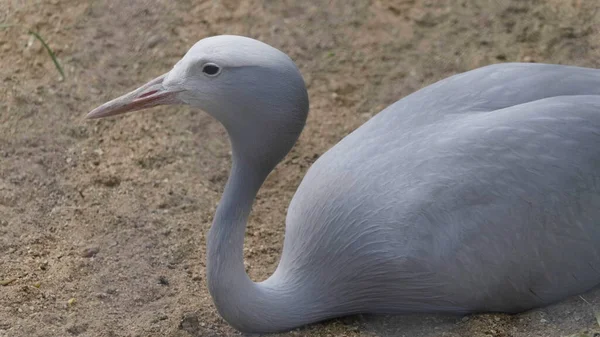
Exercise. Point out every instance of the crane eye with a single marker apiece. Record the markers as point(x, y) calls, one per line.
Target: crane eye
point(211, 69)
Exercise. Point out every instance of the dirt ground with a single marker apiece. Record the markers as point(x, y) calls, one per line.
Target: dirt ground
point(103, 223)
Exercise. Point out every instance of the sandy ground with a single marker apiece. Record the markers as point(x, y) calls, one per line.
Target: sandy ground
point(103, 223)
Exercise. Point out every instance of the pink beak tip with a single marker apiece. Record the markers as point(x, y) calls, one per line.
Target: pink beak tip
point(149, 95)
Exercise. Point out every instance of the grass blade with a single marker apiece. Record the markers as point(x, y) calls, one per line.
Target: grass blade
point(50, 52)
point(46, 46)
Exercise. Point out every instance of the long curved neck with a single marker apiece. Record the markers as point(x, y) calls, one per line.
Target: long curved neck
point(226, 237)
point(275, 304)
point(247, 306)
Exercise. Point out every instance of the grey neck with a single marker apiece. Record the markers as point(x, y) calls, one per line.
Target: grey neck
point(247, 306)
point(275, 304)
point(228, 282)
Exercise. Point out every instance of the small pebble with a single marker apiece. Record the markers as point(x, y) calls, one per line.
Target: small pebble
point(77, 329)
point(71, 302)
point(7, 282)
point(189, 323)
point(101, 295)
point(90, 252)
point(543, 320)
point(163, 281)
point(528, 59)
point(153, 41)
point(160, 317)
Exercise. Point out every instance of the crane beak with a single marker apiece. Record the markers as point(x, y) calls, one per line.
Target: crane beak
point(150, 94)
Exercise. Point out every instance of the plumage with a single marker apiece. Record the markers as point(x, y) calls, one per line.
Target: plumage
point(478, 193)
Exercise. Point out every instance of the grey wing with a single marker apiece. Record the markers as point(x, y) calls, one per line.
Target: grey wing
point(484, 89)
point(514, 203)
point(486, 197)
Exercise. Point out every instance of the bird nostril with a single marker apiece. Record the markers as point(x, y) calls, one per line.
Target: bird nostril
point(148, 93)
